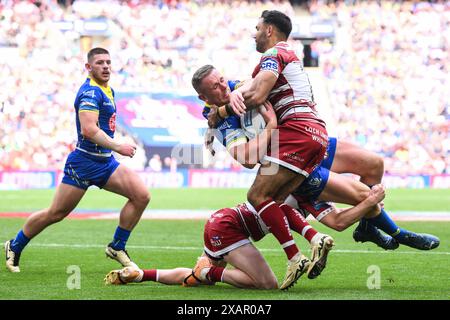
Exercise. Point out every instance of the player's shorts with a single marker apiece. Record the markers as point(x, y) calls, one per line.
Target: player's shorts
point(301, 146)
point(223, 233)
point(312, 187)
point(83, 170)
point(329, 155)
point(307, 193)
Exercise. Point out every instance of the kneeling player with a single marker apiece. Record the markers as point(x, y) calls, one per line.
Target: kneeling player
point(227, 240)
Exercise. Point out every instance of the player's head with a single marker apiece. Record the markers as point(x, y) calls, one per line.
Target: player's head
point(99, 65)
point(211, 86)
point(272, 27)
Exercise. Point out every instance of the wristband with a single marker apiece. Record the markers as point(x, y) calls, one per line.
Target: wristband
point(229, 110)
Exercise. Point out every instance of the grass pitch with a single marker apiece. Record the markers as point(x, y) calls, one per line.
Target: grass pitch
point(48, 262)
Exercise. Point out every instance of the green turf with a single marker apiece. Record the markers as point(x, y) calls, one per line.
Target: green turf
point(190, 198)
point(405, 273)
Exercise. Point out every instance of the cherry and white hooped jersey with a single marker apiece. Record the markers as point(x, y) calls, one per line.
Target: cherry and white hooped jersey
point(291, 95)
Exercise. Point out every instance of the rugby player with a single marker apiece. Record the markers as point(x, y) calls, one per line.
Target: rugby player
point(343, 157)
point(227, 240)
point(91, 163)
point(302, 137)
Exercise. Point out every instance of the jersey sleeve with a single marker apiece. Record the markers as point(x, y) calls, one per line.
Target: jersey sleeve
point(89, 101)
point(271, 61)
point(232, 132)
point(234, 138)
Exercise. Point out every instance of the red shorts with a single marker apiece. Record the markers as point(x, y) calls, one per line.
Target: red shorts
point(223, 233)
point(301, 146)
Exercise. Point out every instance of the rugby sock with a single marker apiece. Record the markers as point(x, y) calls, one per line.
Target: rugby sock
point(274, 218)
point(215, 274)
point(150, 275)
point(385, 223)
point(19, 242)
point(298, 223)
point(120, 239)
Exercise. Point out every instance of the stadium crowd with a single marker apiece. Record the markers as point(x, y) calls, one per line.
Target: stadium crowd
point(387, 71)
point(388, 76)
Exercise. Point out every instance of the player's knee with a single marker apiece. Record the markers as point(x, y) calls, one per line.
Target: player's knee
point(255, 197)
point(267, 283)
point(378, 164)
point(54, 216)
point(375, 168)
point(142, 197)
point(146, 197)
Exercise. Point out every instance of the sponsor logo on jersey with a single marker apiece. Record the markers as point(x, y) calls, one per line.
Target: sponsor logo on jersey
point(215, 241)
point(270, 65)
point(315, 182)
point(90, 93)
point(272, 52)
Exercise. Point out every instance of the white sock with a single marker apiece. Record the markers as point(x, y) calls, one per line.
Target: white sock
point(203, 273)
point(297, 255)
point(316, 238)
point(139, 277)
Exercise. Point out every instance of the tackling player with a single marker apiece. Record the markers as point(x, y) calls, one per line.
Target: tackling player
point(214, 89)
point(92, 163)
point(279, 77)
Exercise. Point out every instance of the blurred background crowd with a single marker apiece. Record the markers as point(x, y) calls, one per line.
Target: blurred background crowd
point(385, 73)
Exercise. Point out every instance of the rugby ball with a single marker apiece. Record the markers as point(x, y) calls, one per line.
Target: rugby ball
point(252, 122)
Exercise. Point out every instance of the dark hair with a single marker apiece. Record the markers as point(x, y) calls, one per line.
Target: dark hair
point(281, 21)
point(95, 51)
point(199, 75)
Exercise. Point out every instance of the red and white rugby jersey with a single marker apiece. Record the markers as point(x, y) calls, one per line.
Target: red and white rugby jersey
point(250, 221)
point(291, 95)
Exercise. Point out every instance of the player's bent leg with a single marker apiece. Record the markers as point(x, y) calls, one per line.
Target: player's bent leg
point(65, 200)
point(127, 183)
point(252, 270)
point(350, 158)
point(343, 189)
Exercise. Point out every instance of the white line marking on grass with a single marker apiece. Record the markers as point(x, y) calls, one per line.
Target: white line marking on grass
point(162, 248)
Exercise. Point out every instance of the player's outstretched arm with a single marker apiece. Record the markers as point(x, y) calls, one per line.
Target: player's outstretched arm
point(250, 153)
point(90, 130)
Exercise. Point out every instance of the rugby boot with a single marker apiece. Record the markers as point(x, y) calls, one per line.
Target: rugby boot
point(382, 240)
point(198, 275)
point(321, 244)
point(124, 276)
point(12, 258)
point(295, 268)
point(120, 256)
point(421, 241)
